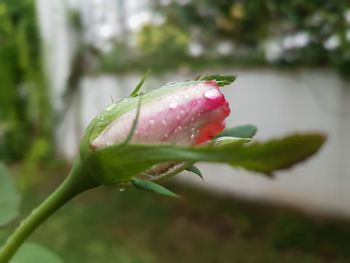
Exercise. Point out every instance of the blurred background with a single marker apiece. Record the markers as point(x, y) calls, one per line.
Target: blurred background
point(63, 61)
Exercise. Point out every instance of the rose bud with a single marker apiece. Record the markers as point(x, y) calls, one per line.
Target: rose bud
point(186, 115)
point(165, 131)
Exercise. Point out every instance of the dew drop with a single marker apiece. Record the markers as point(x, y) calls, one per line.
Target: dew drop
point(212, 94)
point(122, 189)
point(110, 107)
point(101, 117)
point(172, 105)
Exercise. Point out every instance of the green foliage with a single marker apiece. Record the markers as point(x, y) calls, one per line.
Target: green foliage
point(249, 23)
point(162, 41)
point(199, 227)
point(119, 163)
point(244, 21)
point(24, 105)
point(39, 151)
point(118, 57)
point(33, 253)
point(9, 197)
point(108, 63)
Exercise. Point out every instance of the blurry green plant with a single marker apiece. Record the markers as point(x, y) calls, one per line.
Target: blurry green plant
point(162, 41)
point(318, 30)
point(40, 150)
point(24, 103)
point(250, 23)
point(159, 47)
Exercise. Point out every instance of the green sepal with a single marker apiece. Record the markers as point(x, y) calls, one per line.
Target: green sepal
point(221, 80)
point(152, 187)
point(243, 131)
point(119, 163)
point(134, 123)
point(194, 169)
point(135, 92)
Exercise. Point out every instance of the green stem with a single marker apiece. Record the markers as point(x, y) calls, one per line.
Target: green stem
point(74, 184)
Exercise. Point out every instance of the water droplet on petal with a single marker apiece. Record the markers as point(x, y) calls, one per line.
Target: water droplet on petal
point(172, 105)
point(212, 94)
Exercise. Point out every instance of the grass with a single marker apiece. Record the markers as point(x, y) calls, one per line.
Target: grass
point(131, 226)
